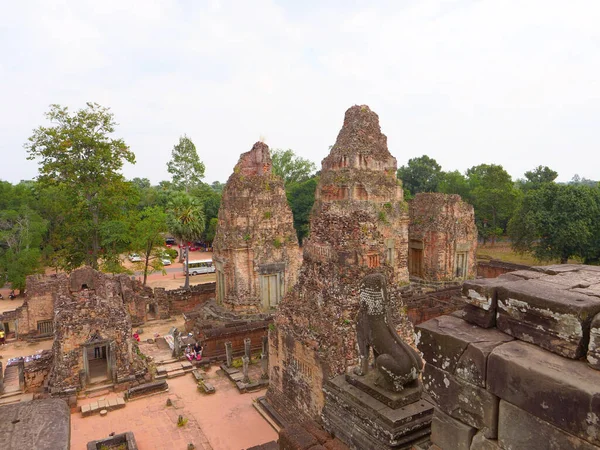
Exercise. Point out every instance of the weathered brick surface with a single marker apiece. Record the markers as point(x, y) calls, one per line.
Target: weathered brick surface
point(255, 234)
point(558, 390)
point(445, 226)
point(495, 268)
point(359, 225)
point(519, 429)
point(295, 437)
point(449, 433)
point(89, 307)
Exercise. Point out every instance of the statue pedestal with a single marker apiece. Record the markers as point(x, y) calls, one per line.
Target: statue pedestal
point(363, 418)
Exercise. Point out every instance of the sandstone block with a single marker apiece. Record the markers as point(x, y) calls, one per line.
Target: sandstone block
point(296, 438)
point(447, 432)
point(560, 391)
point(481, 301)
point(458, 347)
point(480, 442)
point(464, 401)
point(545, 315)
point(519, 429)
point(593, 354)
point(527, 274)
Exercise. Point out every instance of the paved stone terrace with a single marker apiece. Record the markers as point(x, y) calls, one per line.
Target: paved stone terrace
point(222, 421)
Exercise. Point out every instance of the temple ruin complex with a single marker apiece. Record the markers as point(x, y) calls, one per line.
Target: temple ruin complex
point(256, 251)
point(359, 225)
point(442, 238)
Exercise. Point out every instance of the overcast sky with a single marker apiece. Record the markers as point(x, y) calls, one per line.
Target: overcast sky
point(515, 83)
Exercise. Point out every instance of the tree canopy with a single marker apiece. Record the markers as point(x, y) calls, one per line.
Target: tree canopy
point(185, 166)
point(558, 221)
point(290, 167)
point(422, 174)
point(78, 156)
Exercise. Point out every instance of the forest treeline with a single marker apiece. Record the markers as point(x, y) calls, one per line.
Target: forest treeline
point(81, 210)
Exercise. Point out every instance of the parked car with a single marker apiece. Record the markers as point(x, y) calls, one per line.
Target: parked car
point(166, 261)
point(170, 242)
point(134, 257)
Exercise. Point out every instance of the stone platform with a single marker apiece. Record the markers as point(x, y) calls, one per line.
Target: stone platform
point(363, 421)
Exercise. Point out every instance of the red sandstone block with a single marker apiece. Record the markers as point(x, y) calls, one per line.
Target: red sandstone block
point(318, 432)
point(335, 444)
point(296, 438)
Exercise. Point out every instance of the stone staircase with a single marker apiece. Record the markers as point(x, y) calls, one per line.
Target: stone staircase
point(173, 368)
point(11, 381)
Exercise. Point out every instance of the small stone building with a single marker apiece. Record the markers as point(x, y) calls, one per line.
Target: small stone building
point(359, 225)
point(93, 340)
point(255, 249)
point(442, 238)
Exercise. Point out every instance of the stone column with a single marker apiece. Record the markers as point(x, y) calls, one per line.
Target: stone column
point(228, 353)
point(265, 345)
point(264, 364)
point(1, 379)
point(245, 362)
point(264, 358)
point(247, 351)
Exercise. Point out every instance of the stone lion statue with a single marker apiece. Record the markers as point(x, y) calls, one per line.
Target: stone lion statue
point(398, 363)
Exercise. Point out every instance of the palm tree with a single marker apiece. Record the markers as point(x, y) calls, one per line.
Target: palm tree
point(186, 223)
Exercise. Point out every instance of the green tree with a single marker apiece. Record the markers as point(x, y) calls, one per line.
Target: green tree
point(185, 222)
point(210, 199)
point(78, 155)
point(455, 183)
point(291, 168)
point(301, 197)
point(536, 178)
point(494, 198)
point(185, 166)
point(558, 221)
point(421, 174)
point(148, 231)
point(21, 233)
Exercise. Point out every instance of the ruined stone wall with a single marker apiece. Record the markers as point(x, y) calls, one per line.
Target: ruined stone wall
point(255, 234)
point(214, 338)
point(495, 268)
point(359, 225)
point(89, 308)
point(39, 304)
point(442, 226)
point(36, 370)
point(180, 301)
point(519, 368)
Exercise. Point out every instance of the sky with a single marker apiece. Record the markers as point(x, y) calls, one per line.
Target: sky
point(515, 83)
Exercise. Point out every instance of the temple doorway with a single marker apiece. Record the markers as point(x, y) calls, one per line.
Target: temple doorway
point(96, 357)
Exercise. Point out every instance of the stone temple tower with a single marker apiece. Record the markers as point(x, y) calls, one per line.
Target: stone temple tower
point(359, 225)
point(255, 248)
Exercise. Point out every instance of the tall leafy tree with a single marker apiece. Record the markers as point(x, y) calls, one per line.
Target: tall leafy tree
point(455, 183)
point(558, 221)
point(422, 174)
point(185, 222)
point(148, 238)
point(537, 177)
point(78, 155)
point(21, 233)
point(494, 198)
point(301, 197)
point(185, 166)
point(290, 167)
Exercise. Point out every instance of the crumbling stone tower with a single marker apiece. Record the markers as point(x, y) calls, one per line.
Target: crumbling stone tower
point(443, 238)
point(359, 225)
point(93, 340)
point(256, 251)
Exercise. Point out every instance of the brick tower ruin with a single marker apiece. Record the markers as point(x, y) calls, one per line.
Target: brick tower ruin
point(256, 251)
point(93, 340)
point(359, 225)
point(443, 238)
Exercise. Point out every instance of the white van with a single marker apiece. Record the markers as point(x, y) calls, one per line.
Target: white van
point(198, 267)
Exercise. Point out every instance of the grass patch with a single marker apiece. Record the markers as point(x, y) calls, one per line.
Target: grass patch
point(502, 251)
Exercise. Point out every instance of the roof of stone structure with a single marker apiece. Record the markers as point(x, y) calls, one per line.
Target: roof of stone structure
point(361, 134)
